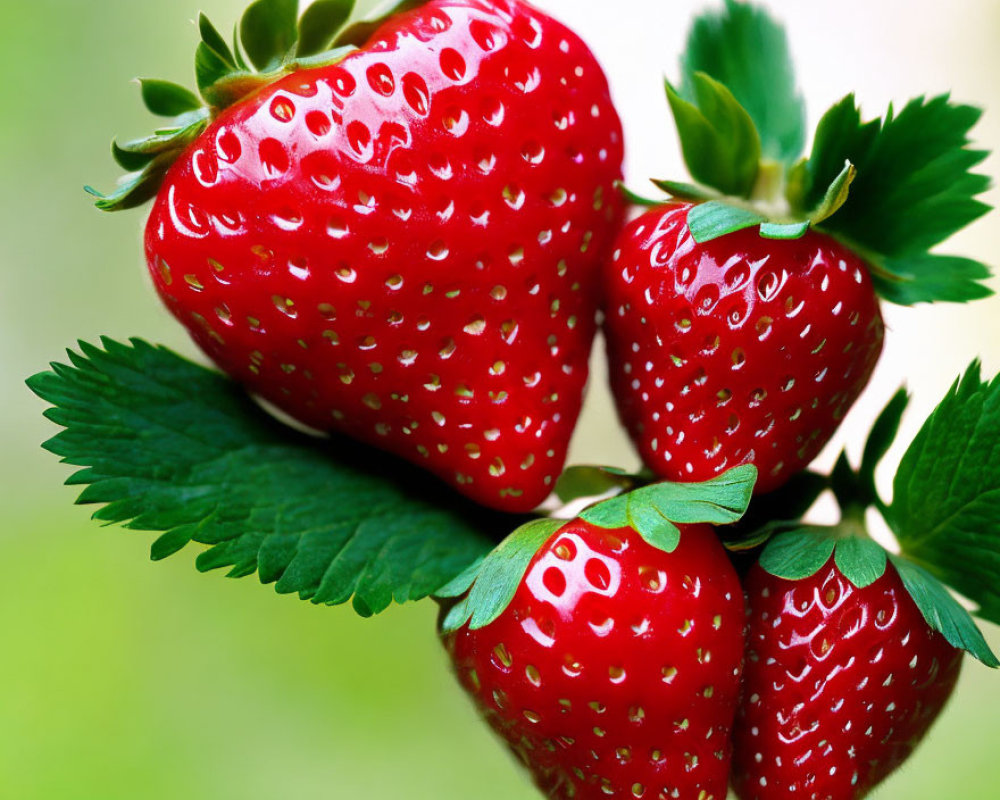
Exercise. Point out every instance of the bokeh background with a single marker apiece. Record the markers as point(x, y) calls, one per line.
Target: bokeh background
point(120, 678)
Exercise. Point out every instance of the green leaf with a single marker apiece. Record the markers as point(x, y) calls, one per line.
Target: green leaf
point(945, 510)
point(685, 191)
point(498, 576)
point(836, 194)
point(585, 480)
point(166, 99)
point(914, 188)
point(713, 219)
point(880, 439)
point(166, 445)
point(654, 511)
point(744, 48)
point(718, 138)
point(861, 561)
point(784, 230)
point(799, 553)
point(319, 25)
point(268, 32)
point(214, 41)
point(943, 613)
point(776, 510)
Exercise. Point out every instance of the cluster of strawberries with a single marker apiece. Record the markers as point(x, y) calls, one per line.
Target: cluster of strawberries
point(412, 242)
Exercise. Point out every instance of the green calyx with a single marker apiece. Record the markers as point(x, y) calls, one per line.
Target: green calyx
point(891, 189)
point(269, 42)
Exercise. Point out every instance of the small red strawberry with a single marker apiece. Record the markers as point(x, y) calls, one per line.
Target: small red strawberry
point(741, 316)
point(615, 669)
point(738, 350)
point(840, 685)
point(401, 245)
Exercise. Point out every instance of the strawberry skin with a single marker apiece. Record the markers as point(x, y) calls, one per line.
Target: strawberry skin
point(739, 350)
point(840, 685)
point(615, 669)
point(403, 246)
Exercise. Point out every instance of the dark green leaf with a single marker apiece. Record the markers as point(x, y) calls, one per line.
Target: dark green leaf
point(744, 48)
point(776, 511)
point(945, 510)
point(655, 510)
point(636, 199)
point(268, 32)
point(797, 554)
point(861, 561)
point(928, 277)
point(319, 24)
point(719, 141)
point(498, 576)
point(170, 446)
point(914, 188)
point(883, 434)
point(212, 39)
point(130, 160)
point(943, 613)
point(166, 99)
point(788, 230)
point(713, 219)
point(584, 480)
point(209, 69)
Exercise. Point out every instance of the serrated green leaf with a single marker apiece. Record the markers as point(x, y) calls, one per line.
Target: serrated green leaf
point(744, 48)
point(498, 576)
point(784, 230)
point(718, 139)
point(861, 561)
point(655, 510)
point(170, 446)
point(268, 32)
point(945, 510)
point(166, 99)
point(914, 188)
point(319, 25)
point(713, 219)
point(586, 480)
point(799, 553)
point(942, 612)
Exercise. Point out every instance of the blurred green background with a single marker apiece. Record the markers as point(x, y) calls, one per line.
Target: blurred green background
point(120, 678)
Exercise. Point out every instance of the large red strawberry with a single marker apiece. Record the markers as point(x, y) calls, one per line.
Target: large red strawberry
point(739, 350)
point(741, 315)
point(615, 669)
point(401, 245)
point(840, 685)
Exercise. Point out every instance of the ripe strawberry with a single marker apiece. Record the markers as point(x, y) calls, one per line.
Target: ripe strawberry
point(615, 669)
point(402, 246)
point(840, 685)
point(739, 350)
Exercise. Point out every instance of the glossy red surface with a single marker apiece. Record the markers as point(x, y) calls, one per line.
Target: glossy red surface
point(615, 670)
point(840, 685)
point(403, 247)
point(740, 350)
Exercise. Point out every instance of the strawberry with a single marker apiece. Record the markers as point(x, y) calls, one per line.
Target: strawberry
point(738, 350)
point(401, 245)
point(741, 313)
point(840, 685)
point(615, 669)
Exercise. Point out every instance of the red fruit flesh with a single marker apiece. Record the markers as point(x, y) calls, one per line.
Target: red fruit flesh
point(403, 247)
point(615, 669)
point(740, 350)
point(840, 685)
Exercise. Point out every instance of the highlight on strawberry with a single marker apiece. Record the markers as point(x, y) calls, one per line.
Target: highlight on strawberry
point(390, 227)
point(742, 313)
